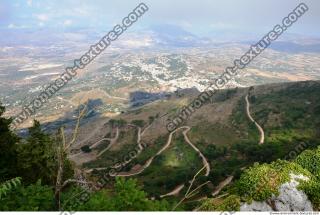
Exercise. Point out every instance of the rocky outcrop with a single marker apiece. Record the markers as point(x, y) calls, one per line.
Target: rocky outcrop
point(255, 206)
point(289, 198)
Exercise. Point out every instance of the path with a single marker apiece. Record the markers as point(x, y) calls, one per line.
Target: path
point(222, 185)
point(204, 160)
point(217, 190)
point(174, 192)
point(252, 120)
point(140, 134)
point(114, 97)
point(112, 142)
point(92, 133)
point(148, 163)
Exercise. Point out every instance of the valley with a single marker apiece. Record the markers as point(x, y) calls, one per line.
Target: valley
point(226, 143)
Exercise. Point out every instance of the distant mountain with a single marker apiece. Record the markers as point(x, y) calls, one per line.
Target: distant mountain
point(172, 35)
point(292, 47)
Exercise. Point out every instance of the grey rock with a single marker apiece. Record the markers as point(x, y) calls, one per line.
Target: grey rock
point(255, 206)
point(289, 199)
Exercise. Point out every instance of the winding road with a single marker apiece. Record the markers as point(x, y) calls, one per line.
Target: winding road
point(186, 129)
point(112, 141)
point(252, 120)
point(204, 160)
point(175, 191)
point(149, 162)
point(222, 185)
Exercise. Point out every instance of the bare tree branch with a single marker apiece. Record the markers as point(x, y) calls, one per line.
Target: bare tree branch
point(74, 181)
point(61, 150)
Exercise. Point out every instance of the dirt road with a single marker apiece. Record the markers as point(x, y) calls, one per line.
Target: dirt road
point(252, 120)
point(149, 162)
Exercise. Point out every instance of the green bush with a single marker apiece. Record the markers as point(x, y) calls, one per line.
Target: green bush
point(35, 197)
point(128, 196)
point(310, 160)
point(86, 149)
point(312, 190)
point(139, 123)
point(262, 180)
point(213, 152)
point(9, 186)
point(117, 122)
point(231, 203)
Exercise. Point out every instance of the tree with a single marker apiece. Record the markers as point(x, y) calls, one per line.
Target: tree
point(214, 152)
point(137, 122)
point(86, 149)
point(8, 153)
point(252, 99)
point(37, 155)
point(8, 186)
point(127, 196)
point(117, 122)
point(151, 119)
point(61, 150)
point(35, 197)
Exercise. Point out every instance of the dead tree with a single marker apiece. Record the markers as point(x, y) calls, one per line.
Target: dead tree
point(62, 149)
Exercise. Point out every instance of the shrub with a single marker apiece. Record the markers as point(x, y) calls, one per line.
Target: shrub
point(86, 149)
point(310, 160)
point(139, 123)
point(231, 203)
point(261, 181)
point(312, 190)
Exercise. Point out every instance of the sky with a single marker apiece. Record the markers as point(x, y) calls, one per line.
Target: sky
point(197, 16)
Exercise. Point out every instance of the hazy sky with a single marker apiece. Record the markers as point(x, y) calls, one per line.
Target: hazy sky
point(197, 16)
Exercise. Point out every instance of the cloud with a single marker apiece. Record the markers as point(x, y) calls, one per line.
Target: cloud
point(42, 17)
point(14, 26)
point(67, 22)
point(83, 11)
point(221, 25)
point(185, 24)
point(29, 3)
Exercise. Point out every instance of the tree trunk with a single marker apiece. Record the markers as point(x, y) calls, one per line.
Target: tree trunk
point(59, 180)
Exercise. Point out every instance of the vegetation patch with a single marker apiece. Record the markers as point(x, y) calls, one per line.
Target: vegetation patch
point(261, 181)
point(231, 203)
point(178, 164)
point(310, 160)
point(86, 149)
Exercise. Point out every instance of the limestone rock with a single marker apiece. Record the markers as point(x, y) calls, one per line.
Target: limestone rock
point(289, 199)
point(255, 206)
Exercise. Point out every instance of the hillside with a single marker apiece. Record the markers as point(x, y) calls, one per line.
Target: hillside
point(248, 149)
point(221, 132)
